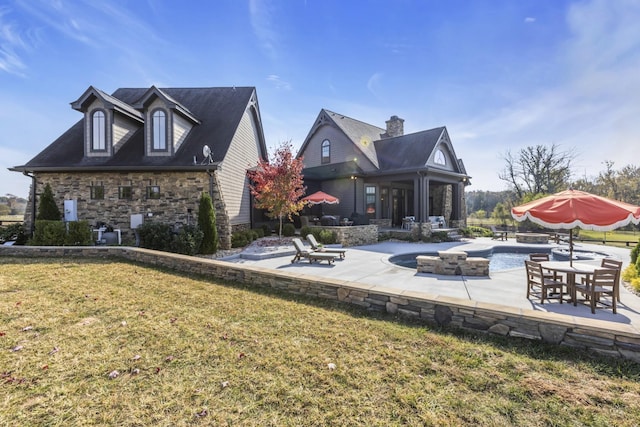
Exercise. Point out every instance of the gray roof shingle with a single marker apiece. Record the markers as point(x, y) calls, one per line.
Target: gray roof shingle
point(219, 110)
point(407, 151)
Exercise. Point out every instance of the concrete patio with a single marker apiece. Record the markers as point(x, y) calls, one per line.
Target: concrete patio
point(370, 265)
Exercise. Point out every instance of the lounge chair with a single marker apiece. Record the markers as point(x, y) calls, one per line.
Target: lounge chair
point(302, 252)
point(316, 247)
point(502, 235)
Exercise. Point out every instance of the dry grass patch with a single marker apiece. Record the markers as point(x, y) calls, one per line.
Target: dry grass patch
point(110, 343)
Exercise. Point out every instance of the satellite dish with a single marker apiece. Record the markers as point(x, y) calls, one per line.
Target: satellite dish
point(206, 152)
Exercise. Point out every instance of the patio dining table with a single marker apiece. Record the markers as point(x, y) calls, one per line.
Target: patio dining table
point(564, 267)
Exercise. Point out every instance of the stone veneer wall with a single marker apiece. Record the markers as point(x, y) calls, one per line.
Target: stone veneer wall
point(180, 191)
point(532, 238)
point(453, 263)
point(355, 235)
point(598, 336)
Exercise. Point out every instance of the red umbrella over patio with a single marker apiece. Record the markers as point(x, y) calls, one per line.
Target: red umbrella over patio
point(572, 208)
point(321, 197)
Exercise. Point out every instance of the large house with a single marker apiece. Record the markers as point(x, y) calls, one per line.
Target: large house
point(383, 174)
point(150, 153)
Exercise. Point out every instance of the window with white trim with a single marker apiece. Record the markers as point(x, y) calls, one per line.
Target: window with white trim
point(326, 151)
point(98, 131)
point(159, 130)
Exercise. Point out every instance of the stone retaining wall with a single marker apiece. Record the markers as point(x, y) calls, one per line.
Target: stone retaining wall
point(534, 238)
point(614, 340)
point(355, 235)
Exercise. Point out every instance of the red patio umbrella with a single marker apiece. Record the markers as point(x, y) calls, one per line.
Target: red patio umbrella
point(572, 208)
point(321, 197)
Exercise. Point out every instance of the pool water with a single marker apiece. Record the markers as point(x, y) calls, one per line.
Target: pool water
point(507, 261)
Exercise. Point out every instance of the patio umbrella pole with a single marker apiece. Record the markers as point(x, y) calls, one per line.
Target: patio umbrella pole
point(571, 247)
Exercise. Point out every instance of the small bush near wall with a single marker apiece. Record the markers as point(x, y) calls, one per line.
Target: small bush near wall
point(161, 237)
point(477, 231)
point(155, 235)
point(266, 228)
point(187, 241)
point(242, 238)
point(327, 237)
point(288, 230)
point(305, 231)
point(49, 233)
point(78, 234)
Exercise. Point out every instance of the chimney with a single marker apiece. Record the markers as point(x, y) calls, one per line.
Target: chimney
point(395, 127)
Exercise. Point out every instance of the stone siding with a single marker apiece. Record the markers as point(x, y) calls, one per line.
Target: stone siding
point(452, 263)
point(534, 238)
point(179, 193)
point(612, 340)
point(355, 235)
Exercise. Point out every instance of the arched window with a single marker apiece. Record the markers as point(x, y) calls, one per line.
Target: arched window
point(440, 158)
point(98, 131)
point(159, 125)
point(326, 151)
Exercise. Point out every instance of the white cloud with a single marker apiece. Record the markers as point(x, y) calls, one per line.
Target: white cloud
point(373, 84)
point(10, 42)
point(261, 15)
point(278, 83)
point(529, 20)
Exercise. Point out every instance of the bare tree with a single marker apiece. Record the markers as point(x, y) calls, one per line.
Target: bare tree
point(537, 170)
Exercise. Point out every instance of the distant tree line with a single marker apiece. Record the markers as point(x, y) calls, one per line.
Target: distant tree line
point(537, 171)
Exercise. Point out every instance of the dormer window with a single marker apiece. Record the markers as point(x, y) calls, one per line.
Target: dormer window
point(159, 129)
point(98, 131)
point(326, 151)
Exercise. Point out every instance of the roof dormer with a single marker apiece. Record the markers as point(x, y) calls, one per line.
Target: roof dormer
point(108, 122)
point(167, 122)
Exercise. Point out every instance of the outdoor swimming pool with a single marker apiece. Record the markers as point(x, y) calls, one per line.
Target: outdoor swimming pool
point(500, 258)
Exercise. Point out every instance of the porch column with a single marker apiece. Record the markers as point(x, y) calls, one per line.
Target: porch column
point(416, 197)
point(425, 202)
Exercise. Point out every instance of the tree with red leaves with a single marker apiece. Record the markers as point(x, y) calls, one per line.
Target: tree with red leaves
point(277, 185)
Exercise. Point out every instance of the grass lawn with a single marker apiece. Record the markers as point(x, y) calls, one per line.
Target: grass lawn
point(112, 343)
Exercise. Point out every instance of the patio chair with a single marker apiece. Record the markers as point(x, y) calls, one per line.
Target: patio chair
point(542, 257)
point(316, 247)
point(502, 235)
point(613, 264)
point(601, 282)
point(538, 284)
point(312, 256)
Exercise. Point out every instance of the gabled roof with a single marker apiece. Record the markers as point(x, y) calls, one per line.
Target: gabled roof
point(219, 109)
point(153, 93)
point(361, 134)
point(408, 151)
point(94, 93)
point(390, 155)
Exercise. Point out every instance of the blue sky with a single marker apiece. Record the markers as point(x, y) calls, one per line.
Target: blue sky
point(501, 75)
